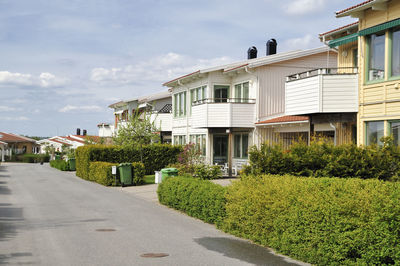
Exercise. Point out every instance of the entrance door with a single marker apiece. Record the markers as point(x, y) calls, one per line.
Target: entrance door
point(221, 93)
point(220, 149)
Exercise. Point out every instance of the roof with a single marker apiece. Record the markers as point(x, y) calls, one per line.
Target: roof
point(251, 63)
point(359, 7)
point(59, 141)
point(339, 30)
point(3, 143)
point(285, 119)
point(12, 138)
point(117, 104)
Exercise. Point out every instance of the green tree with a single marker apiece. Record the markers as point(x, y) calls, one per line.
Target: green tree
point(138, 131)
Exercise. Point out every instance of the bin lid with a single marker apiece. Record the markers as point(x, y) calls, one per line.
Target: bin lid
point(124, 164)
point(169, 170)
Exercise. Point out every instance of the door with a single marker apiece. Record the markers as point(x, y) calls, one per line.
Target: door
point(221, 93)
point(220, 149)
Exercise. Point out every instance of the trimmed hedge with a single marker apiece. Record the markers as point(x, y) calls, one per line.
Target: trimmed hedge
point(60, 164)
point(327, 160)
point(323, 221)
point(155, 156)
point(100, 172)
point(35, 158)
point(198, 198)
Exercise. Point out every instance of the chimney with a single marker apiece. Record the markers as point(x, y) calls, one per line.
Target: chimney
point(78, 131)
point(252, 52)
point(271, 47)
point(84, 132)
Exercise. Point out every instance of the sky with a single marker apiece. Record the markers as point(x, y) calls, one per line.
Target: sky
point(63, 62)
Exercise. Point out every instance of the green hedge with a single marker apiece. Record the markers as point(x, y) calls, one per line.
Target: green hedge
point(60, 165)
point(198, 198)
point(100, 172)
point(326, 160)
point(35, 158)
point(155, 156)
point(323, 221)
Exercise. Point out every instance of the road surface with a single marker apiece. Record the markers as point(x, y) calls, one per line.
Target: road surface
point(49, 217)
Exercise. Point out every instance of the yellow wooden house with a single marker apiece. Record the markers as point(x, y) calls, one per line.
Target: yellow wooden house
point(379, 68)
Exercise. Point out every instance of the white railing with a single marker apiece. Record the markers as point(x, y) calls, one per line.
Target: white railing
point(322, 71)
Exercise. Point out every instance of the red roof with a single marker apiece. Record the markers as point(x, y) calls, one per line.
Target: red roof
point(285, 119)
point(352, 7)
point(12, 138)
point(338, 29)
point(72, 139)
point(59, 141)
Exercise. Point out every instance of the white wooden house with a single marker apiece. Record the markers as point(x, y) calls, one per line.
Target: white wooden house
point(218, 108)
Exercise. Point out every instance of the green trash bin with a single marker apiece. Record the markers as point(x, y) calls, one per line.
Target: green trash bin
point(167, 172)
point(125, 173)
point(72, 164)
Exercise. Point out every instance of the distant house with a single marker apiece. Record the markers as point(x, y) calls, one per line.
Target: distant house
point(60, 143)
point(158, 106)
point(106, 130)
point(17, 144)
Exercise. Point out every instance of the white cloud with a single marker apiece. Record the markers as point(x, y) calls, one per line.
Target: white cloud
point(11, 118)
point(44, 80)
point(4, 108)
point(71, 108)
point(155, 69)
point(304, 42)
point(303, 7)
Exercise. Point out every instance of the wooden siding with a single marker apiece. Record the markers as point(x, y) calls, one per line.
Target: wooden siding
point(345, 55)
point(302, 96)
point(374, 17)
point(271, 98)
point(162, 121)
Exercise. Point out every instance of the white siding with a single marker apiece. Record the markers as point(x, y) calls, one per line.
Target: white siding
point(340, 93)
point(302, 96)
point(162, 121)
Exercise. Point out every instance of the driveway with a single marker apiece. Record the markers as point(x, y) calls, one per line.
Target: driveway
point(49, 217)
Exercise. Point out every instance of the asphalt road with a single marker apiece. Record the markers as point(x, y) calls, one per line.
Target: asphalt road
point(49, 217)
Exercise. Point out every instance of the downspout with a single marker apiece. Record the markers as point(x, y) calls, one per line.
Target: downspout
point(254, 135)
point(334, 128)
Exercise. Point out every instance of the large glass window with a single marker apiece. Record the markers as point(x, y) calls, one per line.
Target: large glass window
point(241, 145)
point(221, 93)
point(180, 104)
point(180, 140)
point(395, 131)
point(200, 142)
point(376, 66)
point(396, 52)
point(374, 132)
point(197, 95)
point(242, 92)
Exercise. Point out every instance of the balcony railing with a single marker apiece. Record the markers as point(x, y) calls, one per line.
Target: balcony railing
point(322, 71)
point(224, 100)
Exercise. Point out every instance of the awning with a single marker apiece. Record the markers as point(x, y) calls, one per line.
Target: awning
point(118, 112)
point(380, 27)
point(343, 40)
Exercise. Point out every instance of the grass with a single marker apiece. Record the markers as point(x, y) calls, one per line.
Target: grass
point(149, 179)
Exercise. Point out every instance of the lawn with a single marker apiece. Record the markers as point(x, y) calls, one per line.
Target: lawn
point(149, 179)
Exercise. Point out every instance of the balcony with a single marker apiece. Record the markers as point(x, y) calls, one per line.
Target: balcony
point(324, 90)
point(223, 113)
point(163, 121)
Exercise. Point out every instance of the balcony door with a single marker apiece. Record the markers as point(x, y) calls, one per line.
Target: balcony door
point(221, 93)
point(220, 149)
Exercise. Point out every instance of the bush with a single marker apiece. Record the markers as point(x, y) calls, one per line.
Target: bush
point(326, 160)
point(198, 198)
point(138, 172)
point(35, 158)
point(207, 172)
point(318, 220)
point(60, 165)
point(100, 172)
point(155, 156)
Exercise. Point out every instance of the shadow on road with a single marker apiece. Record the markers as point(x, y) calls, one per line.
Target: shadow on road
point(242, 250)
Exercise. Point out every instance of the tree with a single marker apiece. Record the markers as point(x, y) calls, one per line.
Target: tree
point(138, 131)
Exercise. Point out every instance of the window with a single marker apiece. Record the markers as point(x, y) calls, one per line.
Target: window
point(355, 57)
point(200, 142)
point(374, 132)
point(241, 146)
point(376, 57)
point(180, 104)
point(395, 131)
point(242, 92)
point(197, 94)
point(395, 56)
point(221, 93)
point(180, 140)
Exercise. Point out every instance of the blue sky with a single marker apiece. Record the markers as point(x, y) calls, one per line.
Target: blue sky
point(63, 62)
